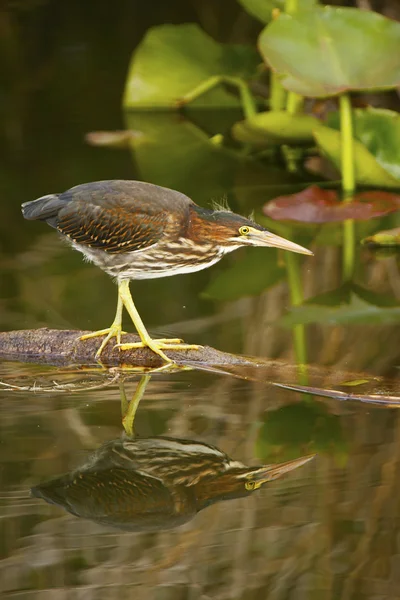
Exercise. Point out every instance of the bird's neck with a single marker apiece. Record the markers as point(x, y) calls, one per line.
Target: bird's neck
point(223, 487)
point(203, 226)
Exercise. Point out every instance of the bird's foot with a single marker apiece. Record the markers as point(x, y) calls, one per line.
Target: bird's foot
point(110, 332)
point(159, 345)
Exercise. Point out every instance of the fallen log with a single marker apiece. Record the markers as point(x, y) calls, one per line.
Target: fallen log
point(63, 347)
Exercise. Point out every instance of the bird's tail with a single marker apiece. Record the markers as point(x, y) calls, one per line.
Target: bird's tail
point(45, 208)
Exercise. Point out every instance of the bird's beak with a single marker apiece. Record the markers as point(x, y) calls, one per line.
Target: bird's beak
point(271, 472)
point(266, 238)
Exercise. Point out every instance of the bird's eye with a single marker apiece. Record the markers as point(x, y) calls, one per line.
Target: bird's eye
point(250, 485)
point(244, 230)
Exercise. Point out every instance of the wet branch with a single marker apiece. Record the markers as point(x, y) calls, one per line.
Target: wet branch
point(63, 347)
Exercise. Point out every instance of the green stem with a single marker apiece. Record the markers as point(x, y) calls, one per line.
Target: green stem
point(349, 254)
point(347, 150)
point(291, 6)
point(296, 296)
point(348, 182)
point(277, 96)
point(295, 103)
point(247, 100)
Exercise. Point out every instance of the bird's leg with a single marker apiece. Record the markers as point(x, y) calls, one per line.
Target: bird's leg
point(114, 331)
point(156, 345)
point(129, 409)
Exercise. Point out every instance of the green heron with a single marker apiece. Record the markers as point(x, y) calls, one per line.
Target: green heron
point(137, 230)
point(155, 483)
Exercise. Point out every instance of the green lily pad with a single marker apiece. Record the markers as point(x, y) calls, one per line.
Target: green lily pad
point(257, 271)
point(300, 427)
point(262, 9)
point(368, 171)
point(357, 310)
point(175, 153)
point(329, 50)
point(379, 130)
point(172, 60)
point(276, 127)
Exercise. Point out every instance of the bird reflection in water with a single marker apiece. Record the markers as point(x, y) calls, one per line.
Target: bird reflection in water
point(154, 483)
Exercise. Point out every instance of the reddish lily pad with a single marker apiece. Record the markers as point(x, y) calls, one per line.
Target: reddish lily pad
point(316, 205)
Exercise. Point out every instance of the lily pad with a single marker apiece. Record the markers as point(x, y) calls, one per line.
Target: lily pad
point(257, 271)
point(356, 311)
point(276, 127)
point(172, 60)
point(176, 153)
point(388, 238)
point(262, 9)
point(316, 205)
point(330, 50)
point(300, 427)
point(379, 130)
point(368, 171)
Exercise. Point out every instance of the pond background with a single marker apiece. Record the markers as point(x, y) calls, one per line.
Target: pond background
point(328, 530)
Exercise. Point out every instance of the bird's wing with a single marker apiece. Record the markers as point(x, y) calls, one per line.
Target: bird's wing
point(119, 216)
point(113, 229)
point(113, 494)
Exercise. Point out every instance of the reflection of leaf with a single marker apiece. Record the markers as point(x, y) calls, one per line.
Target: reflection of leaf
point(328, 50)
point(174, 59)
point(274, 127)
point(295, 428)
point(368, 171)
point(257, 271)
point(343, 294)
point(316, 205)
point(356, 311)
point(262, 9)
point(378, 130)
point(177, 154)
point(390, 237)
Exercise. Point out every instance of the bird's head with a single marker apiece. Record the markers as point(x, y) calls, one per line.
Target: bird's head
point(241, 481)
point(231, 231)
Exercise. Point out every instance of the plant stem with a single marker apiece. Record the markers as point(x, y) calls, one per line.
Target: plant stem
point(277, 96)
point(291, 6)
point(346, 128)
point(348, 182)
point(295, 103)
point(247, 100)
point(296, 296)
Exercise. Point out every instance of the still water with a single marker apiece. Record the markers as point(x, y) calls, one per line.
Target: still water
point(329, 529)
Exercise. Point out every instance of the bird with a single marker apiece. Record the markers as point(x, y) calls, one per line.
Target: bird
point(137, 230)
point(155, 483)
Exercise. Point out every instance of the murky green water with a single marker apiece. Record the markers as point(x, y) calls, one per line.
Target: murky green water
point(329, 529)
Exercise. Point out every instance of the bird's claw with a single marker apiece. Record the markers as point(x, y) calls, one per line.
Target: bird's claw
point(110, 332)
point(157, 346)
